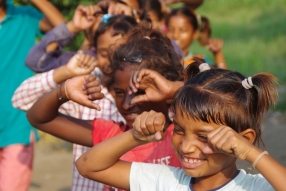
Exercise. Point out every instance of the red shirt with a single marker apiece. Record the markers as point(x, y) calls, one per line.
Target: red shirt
point(155, 152)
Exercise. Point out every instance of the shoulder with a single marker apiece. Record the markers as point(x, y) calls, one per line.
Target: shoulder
point(249, 182)
point(27, 11)
point(158, 176)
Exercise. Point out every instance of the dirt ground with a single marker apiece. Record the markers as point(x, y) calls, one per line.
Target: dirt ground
point(53, 159)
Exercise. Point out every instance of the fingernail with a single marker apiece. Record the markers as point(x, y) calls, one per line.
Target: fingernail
point(90, 96)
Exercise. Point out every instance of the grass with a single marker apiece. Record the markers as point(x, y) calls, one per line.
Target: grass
point(254, 34)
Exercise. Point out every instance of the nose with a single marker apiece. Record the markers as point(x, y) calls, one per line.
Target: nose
point(189, 144)
point(176, 34)
point(126, 104)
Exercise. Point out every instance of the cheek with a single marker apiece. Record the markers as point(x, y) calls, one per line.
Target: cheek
point(102, 61)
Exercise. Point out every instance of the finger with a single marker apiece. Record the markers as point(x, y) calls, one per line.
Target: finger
point(138, 99)
point(150, 120)
point(95, 96)
point(132, 84)
point(144, 123)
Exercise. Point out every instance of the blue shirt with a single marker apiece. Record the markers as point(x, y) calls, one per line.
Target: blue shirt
point(18, 32)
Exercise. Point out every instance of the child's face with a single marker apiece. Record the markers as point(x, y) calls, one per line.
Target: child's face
point(122, 98)
point(189, 139)
point(181, 31)
point(103, 44)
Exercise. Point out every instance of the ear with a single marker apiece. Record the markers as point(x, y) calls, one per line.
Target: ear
point(249, 134)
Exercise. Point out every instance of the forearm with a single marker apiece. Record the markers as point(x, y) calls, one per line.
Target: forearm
point(273, 171)
point(105, 154)
point(46, 108)
point(219, 60)
point(61, 74)
point(52, 14)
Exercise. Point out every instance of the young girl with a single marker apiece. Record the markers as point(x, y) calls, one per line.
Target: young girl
point(145, 48)
point(184, 27)
point(217, 120)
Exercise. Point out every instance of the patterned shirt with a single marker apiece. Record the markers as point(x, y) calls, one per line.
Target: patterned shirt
point(33, 88)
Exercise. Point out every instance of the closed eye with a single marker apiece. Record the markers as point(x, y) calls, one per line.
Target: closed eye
point(203, 138)
point(179, 131)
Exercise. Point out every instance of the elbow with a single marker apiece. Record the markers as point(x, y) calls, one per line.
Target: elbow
point(80, 164)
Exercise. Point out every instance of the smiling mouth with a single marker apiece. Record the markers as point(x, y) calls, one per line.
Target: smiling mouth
point(191, 163)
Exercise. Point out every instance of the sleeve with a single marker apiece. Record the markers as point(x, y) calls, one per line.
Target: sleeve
point(144, 176)
point(39, 60)
point(32, 89)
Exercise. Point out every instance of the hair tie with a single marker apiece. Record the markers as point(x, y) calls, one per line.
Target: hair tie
point(106, 17)
point(247, 83)
point(203, 67)
point(147, 37)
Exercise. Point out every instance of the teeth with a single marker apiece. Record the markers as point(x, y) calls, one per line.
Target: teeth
point(191, 161)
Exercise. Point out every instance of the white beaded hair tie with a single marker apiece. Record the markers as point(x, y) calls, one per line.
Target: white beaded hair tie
point(247, 83)
point(203, 67)
point(147, 37)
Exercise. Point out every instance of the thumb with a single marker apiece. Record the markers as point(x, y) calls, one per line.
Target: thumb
point(159, 135)
point(138, 99)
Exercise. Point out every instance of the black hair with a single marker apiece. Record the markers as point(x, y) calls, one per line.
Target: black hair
point(120, 24)
point(218, 96)
point(156, 49)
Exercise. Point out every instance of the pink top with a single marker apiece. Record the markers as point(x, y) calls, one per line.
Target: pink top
point(155, 152)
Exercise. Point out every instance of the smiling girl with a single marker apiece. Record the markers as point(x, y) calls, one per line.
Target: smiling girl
point(217, 120)
point(184, 27)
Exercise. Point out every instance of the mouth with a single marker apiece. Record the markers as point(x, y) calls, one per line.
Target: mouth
point(191, 163)
point(130, 116)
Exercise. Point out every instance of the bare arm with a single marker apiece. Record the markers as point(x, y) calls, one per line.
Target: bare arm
point(53, 16)
point(106, 166)
point(226, 140)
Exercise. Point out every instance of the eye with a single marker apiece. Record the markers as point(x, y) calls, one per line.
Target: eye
point(179, 130)
point(203, 138)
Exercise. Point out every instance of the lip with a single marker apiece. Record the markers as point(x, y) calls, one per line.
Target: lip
point(130, 116)
point(191, 163)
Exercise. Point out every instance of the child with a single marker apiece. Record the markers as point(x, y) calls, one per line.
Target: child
point(20, 26)
point(217, 119)
point(184, 27)
point(145, 48)
point(109, 31)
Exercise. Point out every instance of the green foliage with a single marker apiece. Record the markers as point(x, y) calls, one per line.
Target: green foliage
point(253, 34)
point(254, 37)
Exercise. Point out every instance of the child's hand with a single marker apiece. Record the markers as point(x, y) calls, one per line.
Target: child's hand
point(84, 17)
point(215, 45)
point(84, 89)
point(156, 87)
point(120, 8)
point(149, 126)
point(80, 64)
point(226, 140)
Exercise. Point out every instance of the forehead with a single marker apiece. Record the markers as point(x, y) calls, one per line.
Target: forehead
point(106, 39)
point(179, 20)
point(122, 77)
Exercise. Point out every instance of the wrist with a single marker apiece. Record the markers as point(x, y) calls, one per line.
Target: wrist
point(72, 28)
point(61, 93)
point(61, 74)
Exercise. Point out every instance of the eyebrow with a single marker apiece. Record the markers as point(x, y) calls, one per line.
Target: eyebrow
point(207, 129)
